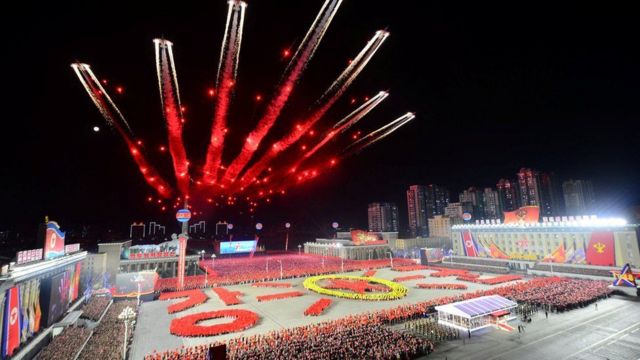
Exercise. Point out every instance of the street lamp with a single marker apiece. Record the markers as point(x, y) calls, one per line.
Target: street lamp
point(201, 255)
point(335, 228)
point(280, 261)
point(286, 241)
point(299, 249)
point(138, 280)
point(127, 315)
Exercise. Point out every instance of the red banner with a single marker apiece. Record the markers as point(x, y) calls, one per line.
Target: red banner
point(53, 241)
point(469, 246)
point(496, 253)
point(600, 250)
point(360, 237)
point(525, 214)
point(11, 335)
point(557, 256)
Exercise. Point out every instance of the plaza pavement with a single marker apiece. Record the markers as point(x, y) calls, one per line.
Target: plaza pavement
point(610, 332)
point(152, 327)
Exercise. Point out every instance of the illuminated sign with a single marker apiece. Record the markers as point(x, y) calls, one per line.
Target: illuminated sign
point(71, 248)
point(27, 256)
point(183, 215)
point(237, 247)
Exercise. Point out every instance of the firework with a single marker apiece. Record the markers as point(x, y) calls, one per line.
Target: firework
point(295, 69)
point(217, 181)
point(114, 117)
point(172, 111)
point(225, 81)
point(333, 93)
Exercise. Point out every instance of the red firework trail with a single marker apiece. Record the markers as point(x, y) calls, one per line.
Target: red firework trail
point(343, 125)
point(226, 186)
point(115, 118)
point(294, 71)
point(379, 134)
point(301, 176)
point(335, 91)
point(172, 111)
point(225, 82)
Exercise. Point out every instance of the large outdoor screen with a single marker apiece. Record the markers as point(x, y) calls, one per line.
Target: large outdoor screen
point(237, 247)
point(58, 297)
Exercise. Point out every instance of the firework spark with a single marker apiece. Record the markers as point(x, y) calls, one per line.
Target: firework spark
point(172, 111)
point(225, 81)
point(295, 69)
point(223, 179)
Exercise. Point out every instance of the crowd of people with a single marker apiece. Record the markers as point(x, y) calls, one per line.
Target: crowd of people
point(66, 345)
point(348, 338)
point(231, 271)
point(430, 329)
point(94, 309)
point(193, 298)
point(301, 342)
point(560, 294)
point(106, 341)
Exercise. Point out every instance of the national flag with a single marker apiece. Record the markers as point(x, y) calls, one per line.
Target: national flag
point(12, 320)
point(601, 249)
point(469, 245)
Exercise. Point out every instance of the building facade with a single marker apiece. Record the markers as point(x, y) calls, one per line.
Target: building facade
point(416, 206)
point(551, 200)
point(528, 188)
point(577, 240)
point(437, 199)
point(507, 195)
point(492, 208)
point(440, 226)
point(383, 217)
point(578, 197)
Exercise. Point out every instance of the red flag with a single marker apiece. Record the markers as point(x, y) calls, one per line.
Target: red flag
point(11, 337)
point(496, 253)
point(469, 246)
point(601, 249)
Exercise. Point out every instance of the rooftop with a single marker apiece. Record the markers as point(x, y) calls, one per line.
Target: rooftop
point(483, 305)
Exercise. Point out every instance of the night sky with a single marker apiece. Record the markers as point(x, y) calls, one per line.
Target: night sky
point(494, 87)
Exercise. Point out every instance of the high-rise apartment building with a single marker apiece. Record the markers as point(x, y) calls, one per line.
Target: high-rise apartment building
point(492, 208)
point(578, 197)
point(437, 199)
point(528, 188)
point(551, 201)
point(383, 217)
point(507, 195)
point(416, 206)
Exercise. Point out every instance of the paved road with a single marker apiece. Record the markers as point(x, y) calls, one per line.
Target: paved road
point(610, 332)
